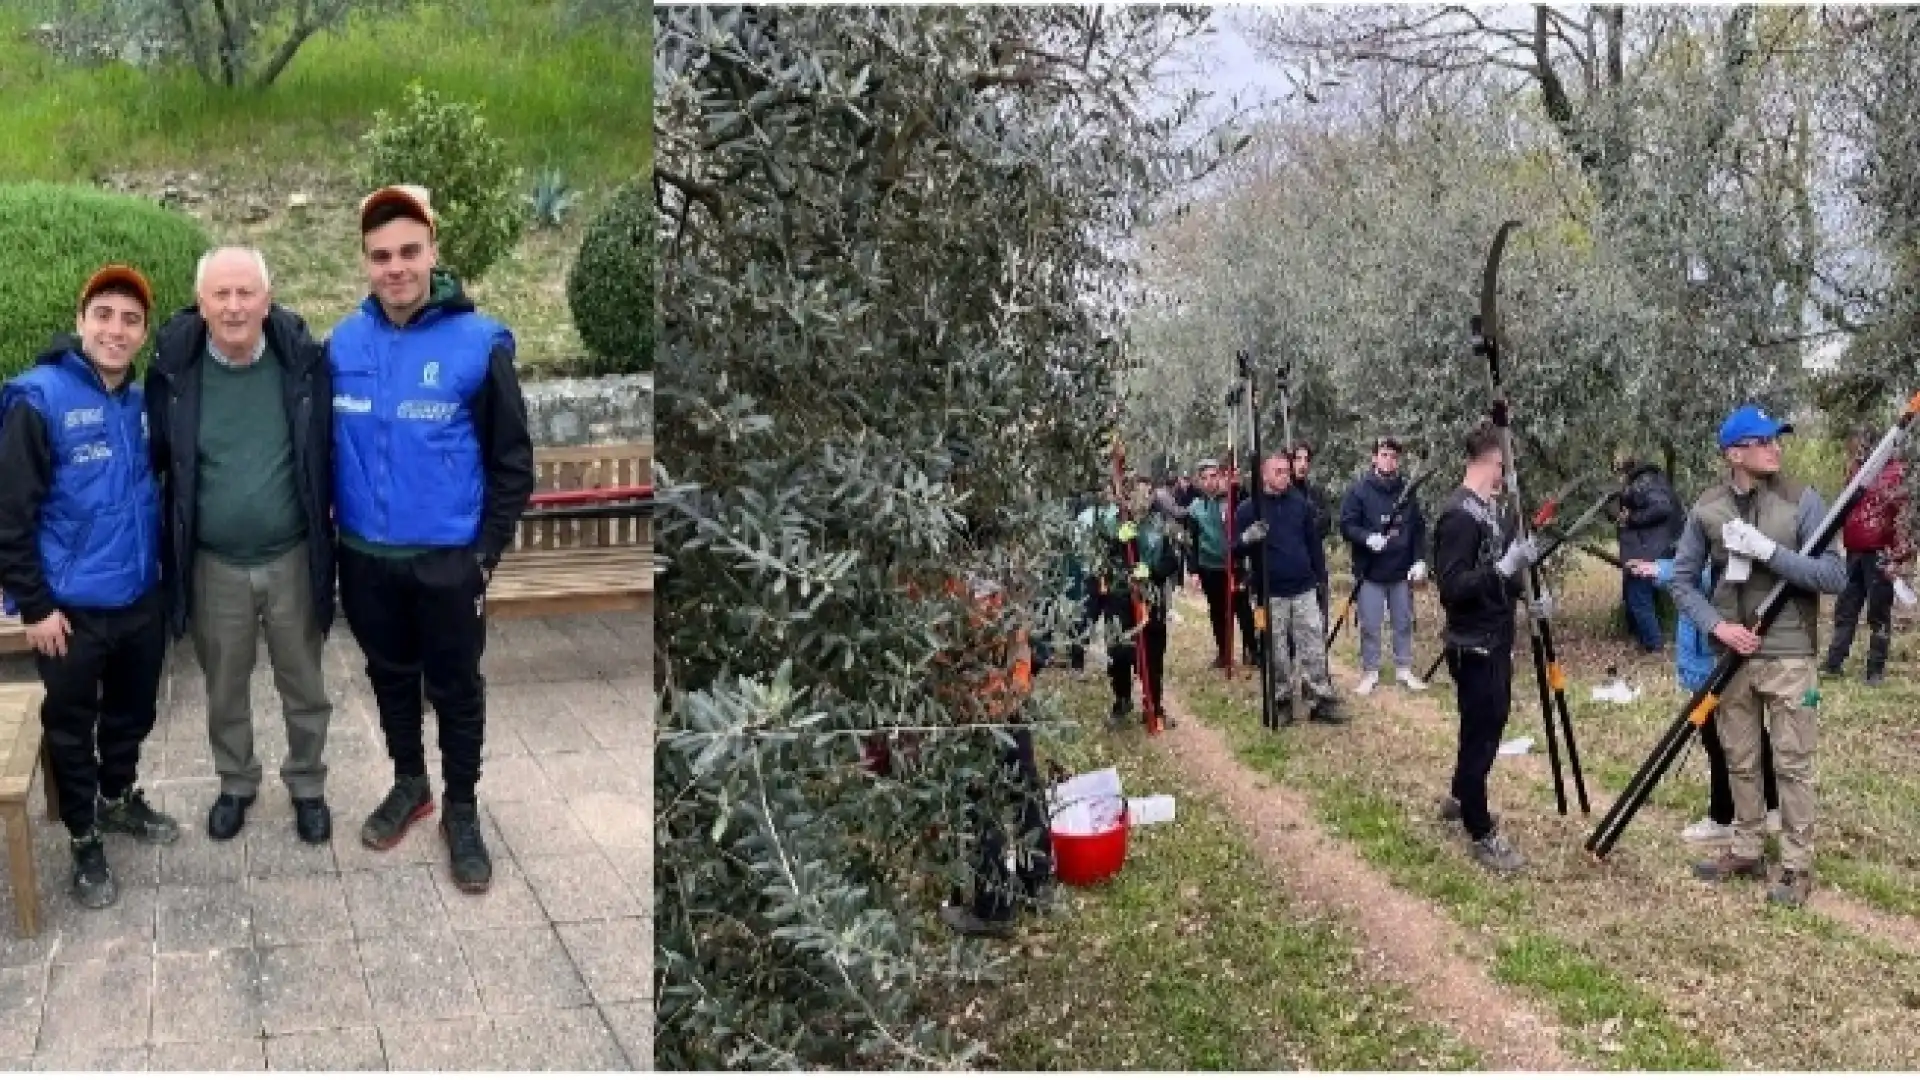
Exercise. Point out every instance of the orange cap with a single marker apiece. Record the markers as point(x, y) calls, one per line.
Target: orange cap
point(118, 274)
point(416, 199)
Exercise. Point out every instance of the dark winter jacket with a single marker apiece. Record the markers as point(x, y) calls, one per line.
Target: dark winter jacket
point(1324, 512)
point(1368, 509)
point(173, 410)
point(1468, 539)
point(1654, 516)
point(1295, 559)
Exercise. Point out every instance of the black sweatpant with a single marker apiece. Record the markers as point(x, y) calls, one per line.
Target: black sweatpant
point(1120, 654)
point(995, 889)
point(1866, 588)
point(100, 704)
point(1483, 690)
point(420, 621)
point(1243, 599)
point(1219, 608)
point(1719, 788)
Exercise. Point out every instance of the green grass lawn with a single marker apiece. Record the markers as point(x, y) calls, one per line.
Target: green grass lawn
point(564, 96)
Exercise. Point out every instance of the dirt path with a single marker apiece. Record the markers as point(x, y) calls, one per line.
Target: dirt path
point(1412, 943)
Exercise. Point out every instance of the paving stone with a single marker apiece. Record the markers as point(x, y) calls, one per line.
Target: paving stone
point(121, 932)
point(540, 828)
point(613, 958)
point(313, 988)
point(613, 821)
point(562, 1041)
point(514, 779)
point(520, 968)
point(22, 996)
point(92, 1059)
point(595, 772)
point(135, 865)
point(509, 901)
point(393, 899)
point(98, 1004)
point(632, 1025)
point(299, 910)
point(420, 974)
point(208, 995)
point(184, 758)
point(200, 918)
point(557, 733)
point(225, 1055)
point(580, 888)
point(275, 850)
point(466, 1045)
point(349, 1050)
point(196, 860)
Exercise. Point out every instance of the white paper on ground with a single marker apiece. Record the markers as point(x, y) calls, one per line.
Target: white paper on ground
point(1616, 691)
point(1151, 810)
point(1903, 593)
point(1516, 747)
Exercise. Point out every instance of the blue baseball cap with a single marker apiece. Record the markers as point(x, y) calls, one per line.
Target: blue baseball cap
point(1751, 422)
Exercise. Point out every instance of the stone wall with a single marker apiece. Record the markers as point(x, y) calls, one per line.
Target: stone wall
point(588, 412)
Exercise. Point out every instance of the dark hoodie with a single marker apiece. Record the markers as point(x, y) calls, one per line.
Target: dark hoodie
point(1296, 560)
point(1368, 509)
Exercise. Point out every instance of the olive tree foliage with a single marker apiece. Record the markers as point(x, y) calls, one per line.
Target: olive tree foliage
point(1664, 272)
point(892, 288)
point(229, 43)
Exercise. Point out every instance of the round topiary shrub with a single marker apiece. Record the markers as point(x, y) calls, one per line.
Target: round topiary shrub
point(610, 288)
point(55, 235)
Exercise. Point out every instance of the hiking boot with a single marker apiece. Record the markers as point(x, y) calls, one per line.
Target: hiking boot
point(131, 814)
point(1328, 711)
point(1497, 854)
point(93, 883)
point(965, 923)
point(1449, 810)
point(312, 820)
point(1367, 683)
point(1707, 831)
point(410, 800)
point(467, 849)
point(1793, 888)
point(1408, 679)
point(228, 816)
point(1875, 678)
point(1728, 866)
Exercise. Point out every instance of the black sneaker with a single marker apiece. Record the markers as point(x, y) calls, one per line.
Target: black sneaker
point(312, 820)
point(472, 867)
point(228, 816)
point(410, 800)
point(93, 883)
point(131, 814)
point(1328, 711)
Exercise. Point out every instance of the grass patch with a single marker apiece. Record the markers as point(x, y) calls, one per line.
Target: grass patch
point(1190, 960)
point(1633, 1029)
point(572, 97)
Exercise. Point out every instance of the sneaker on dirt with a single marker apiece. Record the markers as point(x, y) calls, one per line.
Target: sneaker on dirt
point(410, 800)
point(131, 814)
point(93, 884)
point(1792, 889)
point(1728, 867)
point(1707, 831)
point(1408, 679)
point(1367, 683)
point(1449, 810)
point(1328, 711)
point(467, 849)
point(1497, 854)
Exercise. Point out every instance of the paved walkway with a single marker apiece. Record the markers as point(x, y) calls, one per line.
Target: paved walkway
point(264, 952)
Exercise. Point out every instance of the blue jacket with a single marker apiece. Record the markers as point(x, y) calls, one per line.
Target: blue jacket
point(1366, 510)
point(412, 465)
point(1693, 652)
point(88, 476)
point(1294, 556)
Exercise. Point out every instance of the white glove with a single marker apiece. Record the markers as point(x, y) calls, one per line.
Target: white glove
point(1254, 533)
point(1542, 606)
point(1376, 542)
point(1519, 555)
point(1418, 573)
point(1745, 540)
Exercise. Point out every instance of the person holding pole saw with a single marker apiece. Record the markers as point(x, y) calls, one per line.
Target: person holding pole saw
point(1281, 527)
point(1752, 529)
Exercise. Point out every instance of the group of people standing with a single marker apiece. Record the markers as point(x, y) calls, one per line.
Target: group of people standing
point(221, 499)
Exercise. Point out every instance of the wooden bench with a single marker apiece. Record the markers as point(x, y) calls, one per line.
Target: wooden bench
point(13, 636)
point(570, 567)
point(20, 752)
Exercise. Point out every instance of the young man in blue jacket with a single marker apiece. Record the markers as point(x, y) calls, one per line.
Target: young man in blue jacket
point(80, 565)
point(433, 466)
point(1386, 560)
point(1287, 537)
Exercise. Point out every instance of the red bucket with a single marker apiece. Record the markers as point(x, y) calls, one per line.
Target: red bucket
point(1087, 859)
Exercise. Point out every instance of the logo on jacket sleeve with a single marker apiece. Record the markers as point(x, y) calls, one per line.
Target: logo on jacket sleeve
point(347, 403)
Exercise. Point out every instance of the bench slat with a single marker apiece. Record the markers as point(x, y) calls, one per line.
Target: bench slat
point(19, 739)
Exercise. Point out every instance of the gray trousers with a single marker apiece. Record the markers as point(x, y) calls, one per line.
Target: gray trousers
point(1375, 602)
point(231, 605)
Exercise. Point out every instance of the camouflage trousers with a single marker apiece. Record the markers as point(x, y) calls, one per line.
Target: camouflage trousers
point(1299, 646)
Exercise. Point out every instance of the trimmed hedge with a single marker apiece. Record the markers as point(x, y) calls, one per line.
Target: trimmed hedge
point(610, 289)
point(55, 235)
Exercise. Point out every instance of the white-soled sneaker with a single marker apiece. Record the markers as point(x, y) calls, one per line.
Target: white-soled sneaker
point(1409, 680)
